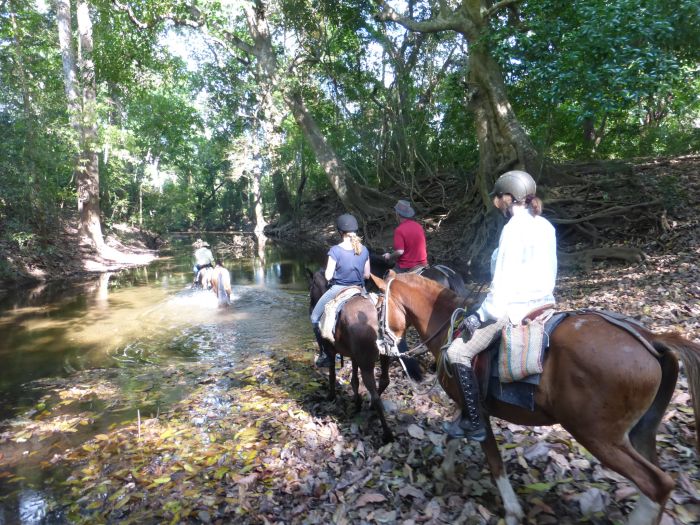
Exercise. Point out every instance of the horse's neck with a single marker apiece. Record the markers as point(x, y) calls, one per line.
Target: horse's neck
point(430, 314)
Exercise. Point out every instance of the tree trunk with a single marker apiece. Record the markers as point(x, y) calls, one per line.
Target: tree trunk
point(284, 203)
point(88, 172)
point(503, 143)
point(365, 201)
point(65, 41)
point(353, 196)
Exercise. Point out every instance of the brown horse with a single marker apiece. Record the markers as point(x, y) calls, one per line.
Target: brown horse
point(355, 337)
point(220, 279)
point(599, 382)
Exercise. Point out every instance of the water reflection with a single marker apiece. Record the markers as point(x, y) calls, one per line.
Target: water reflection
point(146, 315)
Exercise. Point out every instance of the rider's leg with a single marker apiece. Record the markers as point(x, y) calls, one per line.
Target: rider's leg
point(470, 422)
point(331, 293)
point(322, 360)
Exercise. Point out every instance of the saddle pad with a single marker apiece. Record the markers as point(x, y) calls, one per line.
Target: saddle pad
point(521, 350)
point(331, 310)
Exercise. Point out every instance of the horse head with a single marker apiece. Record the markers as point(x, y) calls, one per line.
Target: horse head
point(416, 301)
point(317, 286)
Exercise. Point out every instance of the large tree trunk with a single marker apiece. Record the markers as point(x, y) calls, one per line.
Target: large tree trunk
point(88, 172)
point(364, 201)
point(503, 143)
point(83, 119)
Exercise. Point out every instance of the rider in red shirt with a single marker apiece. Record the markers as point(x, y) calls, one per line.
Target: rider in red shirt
point(409, 240)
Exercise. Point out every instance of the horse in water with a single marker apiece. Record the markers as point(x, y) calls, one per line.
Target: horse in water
point(220, 279)
point(203, 278)
point(599, 382)
point(355, 337)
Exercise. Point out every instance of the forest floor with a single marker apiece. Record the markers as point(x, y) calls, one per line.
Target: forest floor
point(258, 443)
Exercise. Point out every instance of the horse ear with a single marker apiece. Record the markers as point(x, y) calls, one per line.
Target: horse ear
point(309, 274)
point(378, 281)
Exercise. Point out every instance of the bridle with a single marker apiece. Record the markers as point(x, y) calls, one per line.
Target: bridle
point(390, 340)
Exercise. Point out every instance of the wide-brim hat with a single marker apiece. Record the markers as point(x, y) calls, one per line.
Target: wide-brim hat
point(404, 209)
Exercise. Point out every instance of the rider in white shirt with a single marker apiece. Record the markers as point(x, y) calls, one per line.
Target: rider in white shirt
point(524, 268)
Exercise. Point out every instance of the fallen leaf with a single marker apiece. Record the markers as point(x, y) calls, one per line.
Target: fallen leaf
point(369, 497)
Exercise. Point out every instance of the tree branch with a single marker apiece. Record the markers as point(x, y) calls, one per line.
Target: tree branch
point(498, 6)
point(433, 25)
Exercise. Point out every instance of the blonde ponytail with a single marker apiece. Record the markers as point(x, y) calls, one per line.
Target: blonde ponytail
point(356, 242)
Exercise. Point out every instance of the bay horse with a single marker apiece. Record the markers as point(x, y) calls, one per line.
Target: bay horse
point(355, 337)
point(599, 382)
point(440, 273)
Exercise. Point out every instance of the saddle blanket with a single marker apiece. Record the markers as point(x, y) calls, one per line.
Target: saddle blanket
point(520, 393)
point(333, 308)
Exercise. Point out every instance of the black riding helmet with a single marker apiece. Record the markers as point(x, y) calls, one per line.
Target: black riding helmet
point(347, 223)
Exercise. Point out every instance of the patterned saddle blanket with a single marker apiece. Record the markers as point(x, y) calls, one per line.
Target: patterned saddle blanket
point(332, 310)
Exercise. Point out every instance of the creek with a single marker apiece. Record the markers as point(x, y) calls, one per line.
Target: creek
point(62, 341)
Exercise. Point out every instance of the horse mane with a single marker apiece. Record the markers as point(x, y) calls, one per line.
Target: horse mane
point(444, 296)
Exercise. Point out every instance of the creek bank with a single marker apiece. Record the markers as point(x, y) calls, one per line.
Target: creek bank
point(62, 255)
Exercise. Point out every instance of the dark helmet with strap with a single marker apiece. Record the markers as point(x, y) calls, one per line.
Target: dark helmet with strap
point(347, 223)
point(517, 183)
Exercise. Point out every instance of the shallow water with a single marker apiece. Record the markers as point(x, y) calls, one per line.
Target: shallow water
point(117, 332)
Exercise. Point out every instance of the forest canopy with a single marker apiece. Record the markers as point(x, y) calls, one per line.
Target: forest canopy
point(227, 114)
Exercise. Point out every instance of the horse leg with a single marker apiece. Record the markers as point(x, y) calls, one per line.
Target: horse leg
point(514, 512)
point(384, 377)
point(331, 375)
point(355, 383)
point(653, 483)
point(371, 386)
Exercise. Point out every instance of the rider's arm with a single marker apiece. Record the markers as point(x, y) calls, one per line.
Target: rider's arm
point(366, 269)
point(399, 247)
point(330, 268)
point(393, 256)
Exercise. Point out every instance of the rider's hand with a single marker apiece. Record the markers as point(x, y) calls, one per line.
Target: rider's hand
point(386, 256)
point(470, 325)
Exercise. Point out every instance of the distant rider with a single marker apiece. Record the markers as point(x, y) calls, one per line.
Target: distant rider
point(202, 256)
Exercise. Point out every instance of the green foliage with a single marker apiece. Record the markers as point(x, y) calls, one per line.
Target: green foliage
point(176, 134)
point(609, 71)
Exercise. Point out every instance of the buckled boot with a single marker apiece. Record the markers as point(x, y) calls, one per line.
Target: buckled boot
point(322, 360)
point(470, 422)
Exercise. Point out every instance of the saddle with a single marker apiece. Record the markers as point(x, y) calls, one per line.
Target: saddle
point(332, 310)
point(522, 392)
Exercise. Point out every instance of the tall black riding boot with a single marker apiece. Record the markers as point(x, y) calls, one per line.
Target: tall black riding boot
point(470, 423)
point(322, 359)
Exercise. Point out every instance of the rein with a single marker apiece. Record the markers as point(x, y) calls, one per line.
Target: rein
point(422, 347)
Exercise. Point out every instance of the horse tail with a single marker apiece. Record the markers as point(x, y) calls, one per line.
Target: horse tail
point(689, 353)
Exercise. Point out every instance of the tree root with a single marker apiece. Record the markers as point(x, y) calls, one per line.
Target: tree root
point(585, 258)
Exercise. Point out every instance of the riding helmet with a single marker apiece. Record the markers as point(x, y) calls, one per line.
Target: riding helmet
point(347, 223)
point(517, 183)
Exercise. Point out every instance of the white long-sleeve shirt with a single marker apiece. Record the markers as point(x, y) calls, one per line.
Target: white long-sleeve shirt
point(524, 269)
